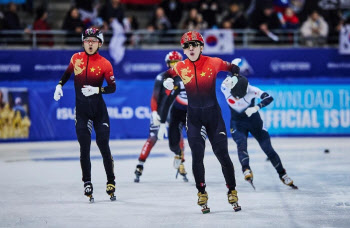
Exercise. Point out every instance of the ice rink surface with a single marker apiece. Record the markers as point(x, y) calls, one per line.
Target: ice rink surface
point(40, 186)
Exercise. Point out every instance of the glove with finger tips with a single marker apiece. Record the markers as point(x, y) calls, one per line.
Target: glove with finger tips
point(90, 90)
point(250, 111)
point(169, 83)
point(155, 118)
point(58, 92)
point(236, 61)
point(162, 132)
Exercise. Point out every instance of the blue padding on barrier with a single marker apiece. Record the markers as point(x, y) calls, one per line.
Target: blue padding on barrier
point(282, 63)
point(311, 108)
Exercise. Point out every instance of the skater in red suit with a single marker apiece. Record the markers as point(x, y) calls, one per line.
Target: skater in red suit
point(90, 70)
point(160, 103)
point(198, 73)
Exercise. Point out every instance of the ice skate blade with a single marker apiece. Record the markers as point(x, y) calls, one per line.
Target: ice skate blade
point(91, 199)
point(293, 186)
point(236, 207)
point(137, 180)
point(251, 183)
point(113, 198)
point(185, 179)
point(205, 209)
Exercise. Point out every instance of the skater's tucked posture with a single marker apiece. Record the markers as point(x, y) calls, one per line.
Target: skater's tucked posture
point(160, 103)
point(245, 118)
point(198, 74)
point(90, 69)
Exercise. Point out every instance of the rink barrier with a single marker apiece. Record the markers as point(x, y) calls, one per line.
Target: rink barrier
point(306, 109)
point(264, 63)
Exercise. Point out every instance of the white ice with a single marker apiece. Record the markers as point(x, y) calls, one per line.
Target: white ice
point(40, 186)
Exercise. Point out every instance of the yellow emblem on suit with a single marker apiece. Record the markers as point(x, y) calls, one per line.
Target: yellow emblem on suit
point(77, 68)
point(185, 78)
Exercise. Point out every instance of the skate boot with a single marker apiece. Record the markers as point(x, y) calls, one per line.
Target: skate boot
point(110, 189)
point(233, 199)
point(88, 190)
point(248, 176)
point(138, 173)
point(177, 161)
point(202, 201)
point(181, 170)
point(287, 180)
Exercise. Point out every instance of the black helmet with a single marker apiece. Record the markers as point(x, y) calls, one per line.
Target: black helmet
point(92, 32)
point(240, 89)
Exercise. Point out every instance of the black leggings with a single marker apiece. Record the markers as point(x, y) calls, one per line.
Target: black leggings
point(176, 123)
point(88, 115)
point(211, 119)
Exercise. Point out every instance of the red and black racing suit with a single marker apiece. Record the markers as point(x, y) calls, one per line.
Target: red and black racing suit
point(92, 111)
point(176, 102)
point(199, 78)
point(159, 97)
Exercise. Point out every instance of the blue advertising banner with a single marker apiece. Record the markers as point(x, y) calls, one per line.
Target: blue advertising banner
point(307, 109)
point(145, 64)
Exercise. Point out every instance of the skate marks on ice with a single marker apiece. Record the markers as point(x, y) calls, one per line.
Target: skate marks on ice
point(39, 192)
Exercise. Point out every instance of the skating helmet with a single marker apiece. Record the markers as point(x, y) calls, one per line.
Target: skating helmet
point(92, 32)
point(173, 57)
point(240, 89)
point(191, 36)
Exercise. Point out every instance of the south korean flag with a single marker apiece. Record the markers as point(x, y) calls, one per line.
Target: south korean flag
point(218, 41)
point(344, 40)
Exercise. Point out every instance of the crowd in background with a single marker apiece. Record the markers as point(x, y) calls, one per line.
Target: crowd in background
point(317, 19)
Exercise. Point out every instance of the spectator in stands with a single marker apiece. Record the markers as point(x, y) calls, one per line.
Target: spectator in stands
point(194, 21)
point(88, 12)
point(236, 17)
point(345, 17)
point(280, 5)
point(290, 19)
point(248, 6)
point(307, 7)
point(74, 26)
point(159, 21)
point(131, 24)
point(173, 10)
point(11, 22)
point(297, 6)
point(40, 24)
point(264, 21)
point(334, 19)
point(226, 24)
point(112, 9)
point(1, 20)
point(209, 9)
point(314, 30)
point(11, 18)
